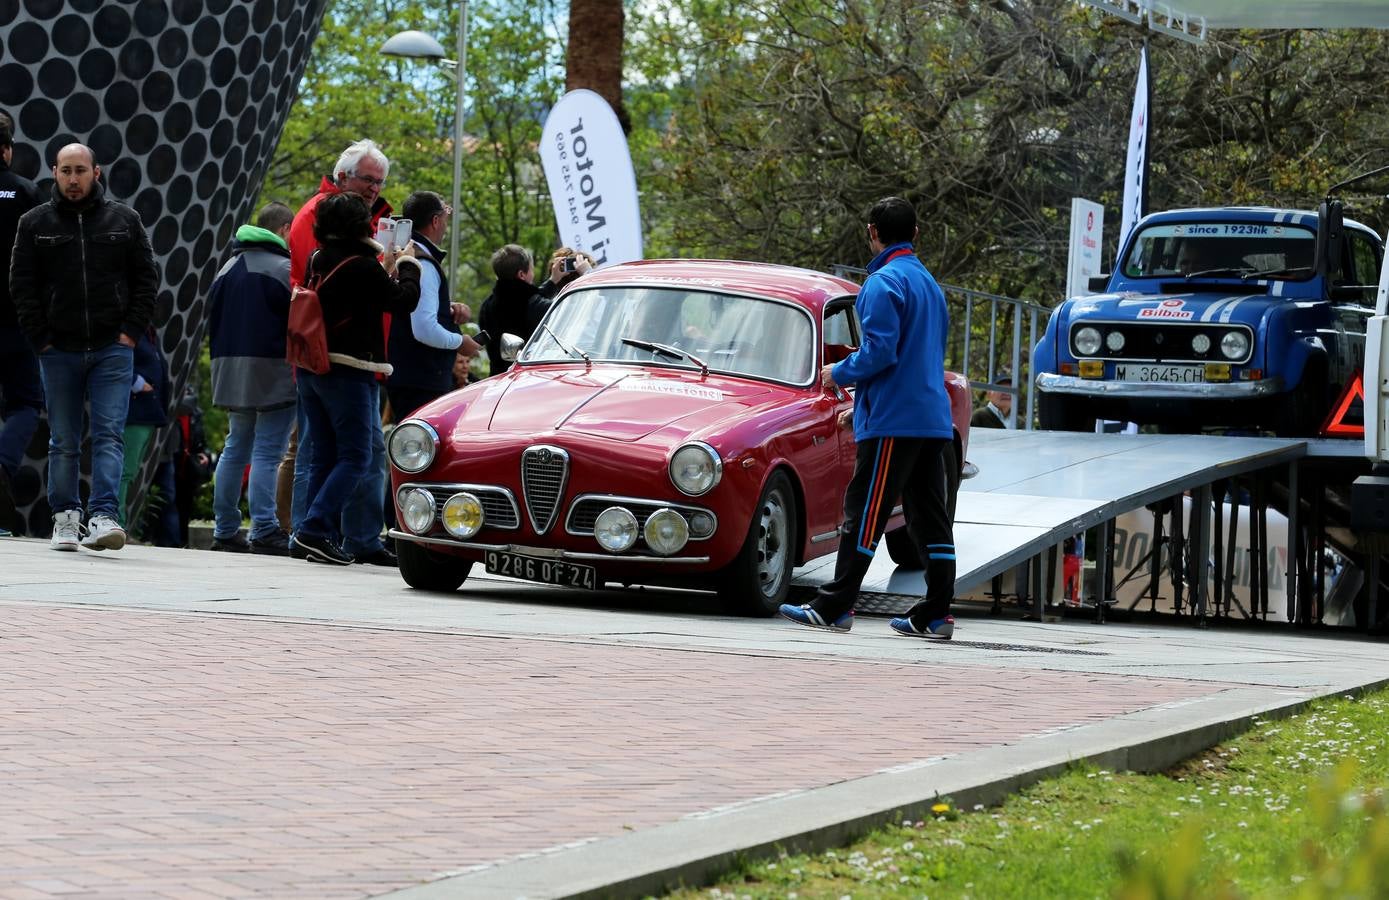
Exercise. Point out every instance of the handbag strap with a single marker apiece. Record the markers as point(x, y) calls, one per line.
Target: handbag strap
point(318, 283)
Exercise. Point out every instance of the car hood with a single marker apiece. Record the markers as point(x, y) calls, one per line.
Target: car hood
point(617, 402)
point(1212, 305)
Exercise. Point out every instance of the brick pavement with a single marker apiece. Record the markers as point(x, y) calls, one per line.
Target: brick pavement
point(182, 755)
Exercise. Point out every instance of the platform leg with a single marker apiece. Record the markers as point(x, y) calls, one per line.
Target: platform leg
point(1218, 550)
point(1177, 558)
point(1294, 541)
point(1200, 551)
point(1104, 570)
point(1227, 592)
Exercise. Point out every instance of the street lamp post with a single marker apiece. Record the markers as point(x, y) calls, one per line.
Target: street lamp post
point(418, 45)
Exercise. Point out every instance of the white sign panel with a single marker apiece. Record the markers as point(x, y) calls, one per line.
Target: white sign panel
point(592, 185)
point(1087, 232)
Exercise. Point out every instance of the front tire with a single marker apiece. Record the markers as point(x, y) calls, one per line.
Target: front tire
point(1064, 412)
point(758, 581)
point(424, 570)
point(1300, 412)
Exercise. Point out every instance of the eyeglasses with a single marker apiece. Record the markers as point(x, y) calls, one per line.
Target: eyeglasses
point(369, 181)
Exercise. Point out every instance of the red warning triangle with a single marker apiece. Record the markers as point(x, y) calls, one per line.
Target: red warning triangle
point(1335, 424)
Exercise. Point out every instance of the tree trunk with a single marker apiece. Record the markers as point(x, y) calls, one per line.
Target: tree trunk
point(594, 57)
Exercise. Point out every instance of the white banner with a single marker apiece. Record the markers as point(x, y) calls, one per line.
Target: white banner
point(1137, 169)
point(592, 185)
point(1087, 231)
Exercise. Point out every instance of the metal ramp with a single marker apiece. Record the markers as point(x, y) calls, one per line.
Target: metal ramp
point(1036, 488)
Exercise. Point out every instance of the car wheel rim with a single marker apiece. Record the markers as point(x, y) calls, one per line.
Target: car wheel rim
point(772, 546)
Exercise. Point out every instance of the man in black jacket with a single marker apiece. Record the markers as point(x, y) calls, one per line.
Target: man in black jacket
point(83, 282)
point(20, 387)
point(514, 306)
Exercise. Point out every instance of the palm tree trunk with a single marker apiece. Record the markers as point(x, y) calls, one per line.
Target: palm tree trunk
point(594, 57)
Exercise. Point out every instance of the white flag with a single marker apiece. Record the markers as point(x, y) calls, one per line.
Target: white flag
point(1136, 175)
point(592, 185)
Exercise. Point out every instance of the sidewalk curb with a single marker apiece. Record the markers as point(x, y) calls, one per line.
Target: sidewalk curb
point(698, 849)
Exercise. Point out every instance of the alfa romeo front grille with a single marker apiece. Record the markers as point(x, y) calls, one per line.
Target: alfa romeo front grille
point(544, 471)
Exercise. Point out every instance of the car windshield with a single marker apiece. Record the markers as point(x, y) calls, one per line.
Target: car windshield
point(678, 328)
point(1222, 250)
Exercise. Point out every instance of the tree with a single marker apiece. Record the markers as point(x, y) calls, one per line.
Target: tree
point(594, 57)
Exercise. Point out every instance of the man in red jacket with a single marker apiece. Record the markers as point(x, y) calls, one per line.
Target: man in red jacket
point(361, 169)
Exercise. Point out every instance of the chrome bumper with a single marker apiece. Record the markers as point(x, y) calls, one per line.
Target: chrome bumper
point(543, 552)
point(1094, 387)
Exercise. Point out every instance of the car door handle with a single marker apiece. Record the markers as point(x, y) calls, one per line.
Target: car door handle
point(818, 439)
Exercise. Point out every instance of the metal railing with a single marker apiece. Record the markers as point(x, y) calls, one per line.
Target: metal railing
point(986, 342)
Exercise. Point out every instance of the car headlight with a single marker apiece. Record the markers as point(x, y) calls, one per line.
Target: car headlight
point(615, 529)
point(462, 515)
point(417, 510)
point(1201, 343)
point(695, 469)
point(666, 531)
point(1234, 345)
point(1114, 341)
point(413, 445)
point(1088, 341)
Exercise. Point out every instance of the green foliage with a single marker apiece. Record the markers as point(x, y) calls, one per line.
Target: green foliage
point(1293, 809)
point(350, 91)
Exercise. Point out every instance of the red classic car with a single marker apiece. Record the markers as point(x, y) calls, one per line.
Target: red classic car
point(664, 425)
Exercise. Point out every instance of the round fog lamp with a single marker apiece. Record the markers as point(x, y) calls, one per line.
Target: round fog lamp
point(1201, 343)
point(615, 529)
point(1234, 345)
point(462, 515)
point(1088, 341)
point(701, 525)
point(1114, 341)
point(666, 531)
point(412, 446)
point(417, 510)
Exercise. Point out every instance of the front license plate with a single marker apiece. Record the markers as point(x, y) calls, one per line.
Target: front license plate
point(550, 571)
point(1160, 374)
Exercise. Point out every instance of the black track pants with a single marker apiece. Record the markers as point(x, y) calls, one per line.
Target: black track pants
point(885, 469)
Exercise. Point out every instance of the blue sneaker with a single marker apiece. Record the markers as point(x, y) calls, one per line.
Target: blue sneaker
point(807, 616)
point(940, 629)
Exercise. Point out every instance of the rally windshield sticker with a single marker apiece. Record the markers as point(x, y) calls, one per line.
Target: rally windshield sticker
point(670, 388)
point(1167, 309)
point(1230, 229)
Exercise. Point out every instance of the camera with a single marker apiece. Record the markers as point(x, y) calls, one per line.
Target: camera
point(570, 262)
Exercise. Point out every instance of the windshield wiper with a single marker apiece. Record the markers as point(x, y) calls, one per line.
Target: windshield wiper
point(667, 350)
point(1222, 270)
point(572, 351)
point(1270, 273)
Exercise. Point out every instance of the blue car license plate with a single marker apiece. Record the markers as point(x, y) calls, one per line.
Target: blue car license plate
point(1160, 374)
point(549, 571)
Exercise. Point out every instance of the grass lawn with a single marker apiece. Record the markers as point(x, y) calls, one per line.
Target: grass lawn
point(1292, 808)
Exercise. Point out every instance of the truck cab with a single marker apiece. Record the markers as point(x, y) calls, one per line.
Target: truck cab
point(1235, 317)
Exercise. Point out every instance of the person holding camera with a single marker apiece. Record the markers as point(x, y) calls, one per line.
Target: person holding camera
point(422, 348)
point(565, 266)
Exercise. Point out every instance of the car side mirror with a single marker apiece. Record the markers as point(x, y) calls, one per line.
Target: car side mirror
point(511, 347)
point(1330, 232)
point(1098, 284)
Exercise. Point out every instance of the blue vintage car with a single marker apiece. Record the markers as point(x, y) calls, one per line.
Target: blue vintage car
point(1237, 317)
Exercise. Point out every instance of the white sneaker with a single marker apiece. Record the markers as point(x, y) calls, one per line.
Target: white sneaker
point(67, 530)
point(104, 533)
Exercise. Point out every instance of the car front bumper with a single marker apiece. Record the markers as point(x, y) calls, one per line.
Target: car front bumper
point(544, 552)
point(1095, 387)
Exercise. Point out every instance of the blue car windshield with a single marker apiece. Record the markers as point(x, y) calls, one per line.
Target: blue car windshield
point(678, 328)
point(1222, 250)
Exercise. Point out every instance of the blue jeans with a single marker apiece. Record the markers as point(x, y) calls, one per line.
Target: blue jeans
point(257, 438)
point(364, 515)
point(69, 380)
point(21, 386)
point(340, 411)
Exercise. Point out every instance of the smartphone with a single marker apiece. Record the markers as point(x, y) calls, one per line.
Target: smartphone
point(385, 232)
point(403, 227)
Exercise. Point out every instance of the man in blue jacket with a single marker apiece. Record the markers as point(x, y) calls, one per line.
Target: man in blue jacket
point(902, 428)
point(249, 317)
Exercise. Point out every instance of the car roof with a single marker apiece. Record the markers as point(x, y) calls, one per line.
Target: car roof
point(803, 286)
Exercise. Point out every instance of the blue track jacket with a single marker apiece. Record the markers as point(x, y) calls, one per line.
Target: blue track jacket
point(900, 367)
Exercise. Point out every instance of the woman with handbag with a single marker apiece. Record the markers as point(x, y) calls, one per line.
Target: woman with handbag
point(354, 290)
